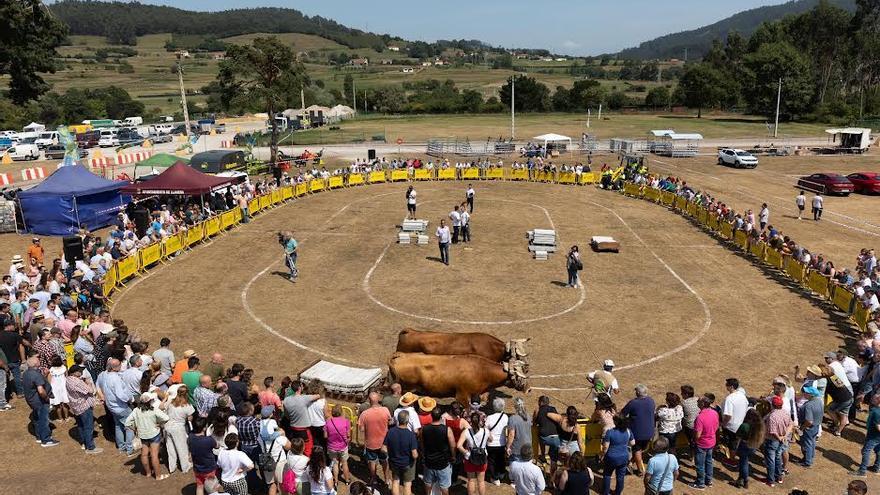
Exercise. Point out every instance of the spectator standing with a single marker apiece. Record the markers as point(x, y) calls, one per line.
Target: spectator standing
point(81, 394)
point(472, 445)
point(640, 413)
point(297, 409)
point(818, 202)
point(179, 412)
point(616, 443)
point(705, 430)
point(438, 447)
point(318, 413)
point(411, 203)
point(455, 219)
point(751, 436)
point(465, 225)
point(872, 439)
point(233, 464)
point(338, 431)
point(662, 469)
point(238, 389)
point(496, 424)
point(572, 265)
point(527, 478)
point(117, 397)
point(320, 475)
point(547, 432)
point(373, 428)
point(764, 216)
point(401, 448)
point(733, 412)
point(192, 377)
point(443, 242)
point(12, 345)
point(299, 464)
point(669, 416)
point(810, 418)
point(801, 202)
point(778, 424)
point(146, 421)
point(519, 430)
point(276, 449)
point(214, 368)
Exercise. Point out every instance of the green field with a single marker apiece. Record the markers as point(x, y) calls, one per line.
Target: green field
point(479, 128)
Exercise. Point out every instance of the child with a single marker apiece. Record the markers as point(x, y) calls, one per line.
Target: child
point(58, 379)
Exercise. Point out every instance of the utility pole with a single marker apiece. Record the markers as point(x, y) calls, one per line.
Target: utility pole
point(589, 113)
point(365, 101)
point(600, 112)
point(778, 100)
point(183, 98)
point(512, 110)
point(354, 94)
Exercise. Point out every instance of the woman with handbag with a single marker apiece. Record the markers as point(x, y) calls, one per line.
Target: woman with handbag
point(573, 264)
point(662, 469)
point(472, 445)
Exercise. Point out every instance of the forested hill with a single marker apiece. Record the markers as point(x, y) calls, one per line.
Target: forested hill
point(698, 41)
point(121, 22)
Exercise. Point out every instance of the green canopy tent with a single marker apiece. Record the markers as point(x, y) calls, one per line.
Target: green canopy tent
point(157, 161)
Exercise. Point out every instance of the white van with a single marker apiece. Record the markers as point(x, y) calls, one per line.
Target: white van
point(46, 139)
point(24, 152)
point(133, 121)
point(108, 138)
point(158, 129)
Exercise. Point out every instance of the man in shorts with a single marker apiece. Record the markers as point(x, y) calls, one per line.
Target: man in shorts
point(373, 427)
point(201, 447)
point(801, 201)
point(438, 446)
point(411, 203)
point(401, 446)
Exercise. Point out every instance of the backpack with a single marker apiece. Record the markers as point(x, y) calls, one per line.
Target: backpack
point(265, 460)
point(288, 481)
point(478, 455)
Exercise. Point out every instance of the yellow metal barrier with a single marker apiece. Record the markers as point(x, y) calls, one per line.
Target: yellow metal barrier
point(773, 257)
point(588, 178)
point(757, 249)
point(842, 298)
point(470, 173)
point(301, 189)
point(68, 352)
point(667, 198)
point(254, 206)
point(633, 190)
point(861, 316)
point(692, 209)
point(212, 226)
point(265, 201)
point(109, 281)
point(727, 230)
point(195, 234)
point(316, 185)
point(517, 174)
point(741, 239)
point(494, 173)
point(171, 245)
point(150, 254)
point(399, 175)
point(236, 215)
point(795, 269)
point(818, 283)
point(355, 179)
point(680, 203)
point(335, 182)
point(702, 215)
point(126, 268)
point(651, 194)
point(286, 192)
point(227, 219)
point(423, 174)
point(567, 178)
point(377, 176)
point(276, 196)
point(446, 174)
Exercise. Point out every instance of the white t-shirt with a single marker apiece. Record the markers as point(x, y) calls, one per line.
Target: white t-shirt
point(412, 197)
point(230, 461)
point(298, 464)
point(498, 423)
point(800, 200)
point(765, 215)
point(837, 366)
point(852, 369)
point(443, 234)
point(465, 218)
point(735, 405)
point(817, 201)
point(316, 412)
point(414, 424)
point(320, 486)
point(456, 218)
point(470, 192)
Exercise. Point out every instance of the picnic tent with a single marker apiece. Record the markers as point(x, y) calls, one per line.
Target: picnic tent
point(554, 141)
point(179, 179)
point(70, 197)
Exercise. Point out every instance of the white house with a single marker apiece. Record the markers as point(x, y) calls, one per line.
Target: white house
point(394, 48)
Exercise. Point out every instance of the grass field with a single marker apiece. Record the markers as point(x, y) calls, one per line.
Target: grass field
point(480, 127)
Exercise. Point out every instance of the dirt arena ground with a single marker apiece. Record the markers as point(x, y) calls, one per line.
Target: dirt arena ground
point(673, 307)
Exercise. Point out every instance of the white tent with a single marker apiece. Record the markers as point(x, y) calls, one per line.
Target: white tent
point(34, 127)
point(553, 138)
point(857, 138)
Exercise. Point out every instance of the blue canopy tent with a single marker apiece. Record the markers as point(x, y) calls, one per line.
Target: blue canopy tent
point(70, 197)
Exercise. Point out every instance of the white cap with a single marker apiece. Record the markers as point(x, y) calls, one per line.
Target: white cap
point(609, 363)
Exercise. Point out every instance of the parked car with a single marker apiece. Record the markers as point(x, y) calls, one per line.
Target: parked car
point(24, 152)
point(737, 158)
point(56, 152)
point(827, 183)
point(88, 139)
point(161, 138)
point(865, 182)
point(108, 138)
point(128, 136)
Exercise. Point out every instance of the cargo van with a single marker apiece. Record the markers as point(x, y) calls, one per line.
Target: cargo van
point(133, 121)
point(46, 139)
point(24, 152)
point(108, 138)
point(158, 129)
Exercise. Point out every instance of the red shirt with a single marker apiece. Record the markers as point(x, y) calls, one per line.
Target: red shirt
point(424, 418)
point(707, 425)
point(374, 422)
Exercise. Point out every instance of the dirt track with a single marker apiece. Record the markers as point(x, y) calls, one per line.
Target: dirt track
point(673, 307)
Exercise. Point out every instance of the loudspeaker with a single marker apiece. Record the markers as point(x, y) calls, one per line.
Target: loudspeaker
point(73, 249)
point(371, 154)
point(141, 219)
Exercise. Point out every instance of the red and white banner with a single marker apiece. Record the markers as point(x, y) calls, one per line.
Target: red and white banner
point(126, 158)
point(5, 179)
point(227, 144)
point(100, 162)
point(35, 173)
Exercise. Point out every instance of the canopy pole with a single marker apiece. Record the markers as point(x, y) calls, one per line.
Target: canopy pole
point(76, 212)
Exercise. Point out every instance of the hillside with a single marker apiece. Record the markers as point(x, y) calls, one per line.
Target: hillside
point(698, 41)
point(123, 22)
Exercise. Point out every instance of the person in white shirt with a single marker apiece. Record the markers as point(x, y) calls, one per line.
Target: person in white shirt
point(455, 218)
point(801, 201)
point(527, 478)
point(469, 196)
point(465, 225)
point(733, 412)
point(443, 241)
point(411, 202)
point(837, 367)
point(496, 424)
point(764, 216)
point(818, 200)
point(233, 465)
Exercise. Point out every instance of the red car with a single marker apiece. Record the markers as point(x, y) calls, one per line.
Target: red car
point(865, 182)
point(827, 183)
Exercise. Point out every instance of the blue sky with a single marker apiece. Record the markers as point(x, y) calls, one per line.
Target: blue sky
point(580, 27)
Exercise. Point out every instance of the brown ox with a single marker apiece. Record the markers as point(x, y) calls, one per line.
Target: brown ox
point(459, 376)
point(478, 344)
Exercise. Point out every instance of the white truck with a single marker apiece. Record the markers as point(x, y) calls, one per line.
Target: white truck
point(46, 139)
point(133, 121)
point(24, 152)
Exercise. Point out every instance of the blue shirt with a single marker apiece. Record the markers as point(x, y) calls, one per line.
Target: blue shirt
point(290, 247)
point(116, 393)
point(400, 443)
point(618, 443)
point(640, 412)
point(657, 466)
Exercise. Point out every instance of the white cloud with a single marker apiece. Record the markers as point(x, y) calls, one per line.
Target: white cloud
point(570, 44)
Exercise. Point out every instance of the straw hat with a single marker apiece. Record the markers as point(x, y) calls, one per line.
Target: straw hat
point(189, 353)
point(17, 259)
point(408, 399)
point(427, 404)
point(816, 370)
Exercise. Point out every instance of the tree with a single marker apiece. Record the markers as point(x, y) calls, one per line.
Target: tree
point(658, 97)
point(764, 68)
point(28, 38)
point(348, 88)
point(264, 71)
point(531, 95)
point(701, 86)
point(561, 99)
point(587, 93)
